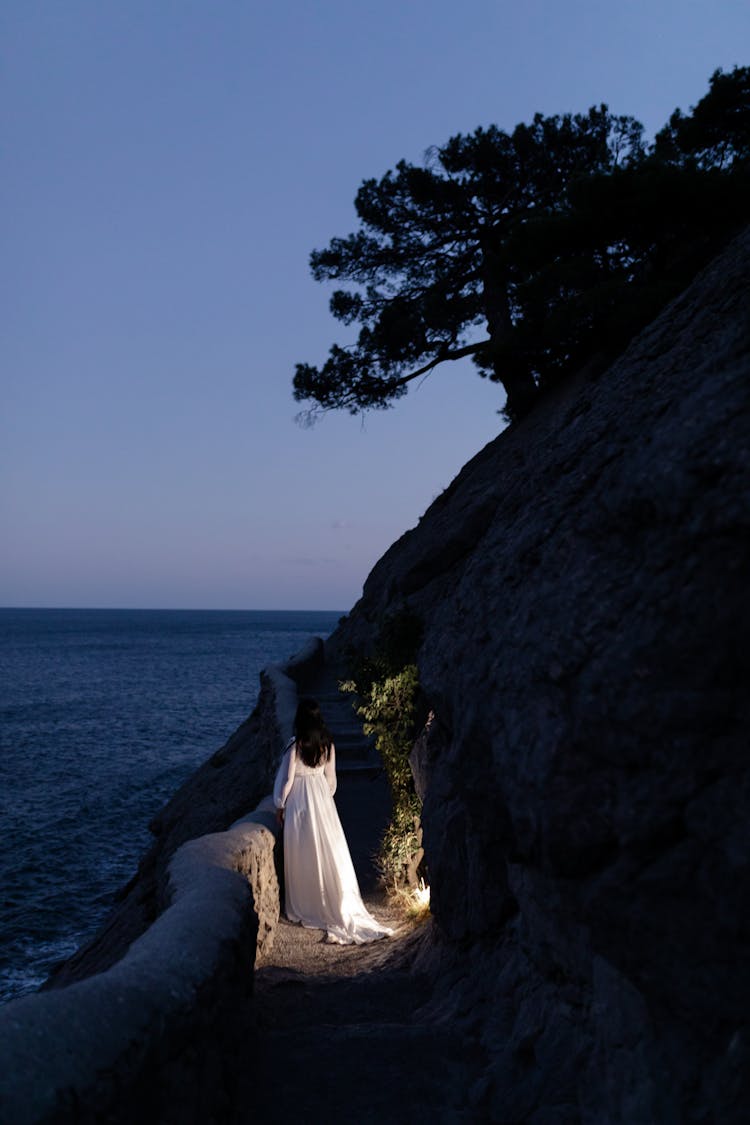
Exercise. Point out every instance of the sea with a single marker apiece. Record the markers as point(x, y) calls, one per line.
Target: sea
point(103, 714)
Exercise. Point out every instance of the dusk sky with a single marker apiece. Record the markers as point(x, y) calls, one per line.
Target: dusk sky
point(168, 165)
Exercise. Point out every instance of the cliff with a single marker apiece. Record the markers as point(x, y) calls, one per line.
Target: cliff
point(583, 587)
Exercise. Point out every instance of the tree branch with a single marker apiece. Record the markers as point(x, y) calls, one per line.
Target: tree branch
point(353, 401)
point(469, 349)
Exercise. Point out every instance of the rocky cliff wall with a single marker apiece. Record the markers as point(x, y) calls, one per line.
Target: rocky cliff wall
point(583, 586)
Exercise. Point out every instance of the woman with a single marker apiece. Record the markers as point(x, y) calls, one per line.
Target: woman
point(321, 887)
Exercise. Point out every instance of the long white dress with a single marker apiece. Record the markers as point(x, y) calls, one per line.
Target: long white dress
point(321, 886)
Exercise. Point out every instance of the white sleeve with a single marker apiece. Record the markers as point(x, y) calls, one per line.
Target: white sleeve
point(330, 769)
point(284, 778)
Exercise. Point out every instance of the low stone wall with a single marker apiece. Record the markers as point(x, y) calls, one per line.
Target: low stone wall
point(154, 1030)
point(154, 1037)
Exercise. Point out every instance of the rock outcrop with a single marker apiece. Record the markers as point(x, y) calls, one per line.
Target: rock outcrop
point(583, 586)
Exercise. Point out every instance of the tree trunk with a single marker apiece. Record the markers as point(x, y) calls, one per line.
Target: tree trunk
point(520, 388)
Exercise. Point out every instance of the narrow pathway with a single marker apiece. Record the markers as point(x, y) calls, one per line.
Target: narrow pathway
point(333, 1033)
point(362, 797)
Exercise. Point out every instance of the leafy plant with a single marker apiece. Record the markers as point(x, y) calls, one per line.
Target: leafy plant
point(387, 686)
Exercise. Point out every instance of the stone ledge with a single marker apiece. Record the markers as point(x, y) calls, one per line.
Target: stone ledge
point(71, 1054)
point(154, 1037)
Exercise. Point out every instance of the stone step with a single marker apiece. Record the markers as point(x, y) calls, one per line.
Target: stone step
point(356, 755)
point(345, 720)
point(355, 751)
point(345, 723)
point(350, 736)
point(351, 741)
point(359, 767)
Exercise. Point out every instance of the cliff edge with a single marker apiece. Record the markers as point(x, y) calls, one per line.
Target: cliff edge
point(583, 591)
point(583, 588)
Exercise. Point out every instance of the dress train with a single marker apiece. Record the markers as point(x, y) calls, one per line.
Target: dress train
point(321, 885)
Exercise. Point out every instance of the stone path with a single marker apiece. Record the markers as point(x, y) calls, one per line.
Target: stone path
point(334, 1033)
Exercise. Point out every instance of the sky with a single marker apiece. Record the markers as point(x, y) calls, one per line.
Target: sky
point(168, 165)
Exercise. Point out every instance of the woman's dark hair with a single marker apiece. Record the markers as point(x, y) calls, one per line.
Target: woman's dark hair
point(311, 733)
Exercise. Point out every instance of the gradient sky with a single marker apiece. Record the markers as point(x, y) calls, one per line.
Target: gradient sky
point(168, 165)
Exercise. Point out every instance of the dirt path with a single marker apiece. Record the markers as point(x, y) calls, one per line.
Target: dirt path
point(334, 1033)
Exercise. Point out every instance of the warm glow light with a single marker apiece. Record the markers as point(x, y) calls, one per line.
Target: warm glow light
point(422, 895)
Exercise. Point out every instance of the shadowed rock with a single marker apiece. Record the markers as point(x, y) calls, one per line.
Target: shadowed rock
point(583, 585)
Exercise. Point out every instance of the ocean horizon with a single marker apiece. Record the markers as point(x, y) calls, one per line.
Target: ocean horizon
point(152, 609)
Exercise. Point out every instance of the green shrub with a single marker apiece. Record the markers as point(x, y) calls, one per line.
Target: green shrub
point(387, 686)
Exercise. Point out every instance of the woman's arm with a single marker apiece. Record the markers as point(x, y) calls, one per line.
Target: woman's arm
point(284, 778)
point(330, 769)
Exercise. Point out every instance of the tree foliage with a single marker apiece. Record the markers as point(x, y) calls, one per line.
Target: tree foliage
point(716, 132)
point(532, 251)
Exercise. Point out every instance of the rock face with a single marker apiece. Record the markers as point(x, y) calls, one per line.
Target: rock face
point(583, 585)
